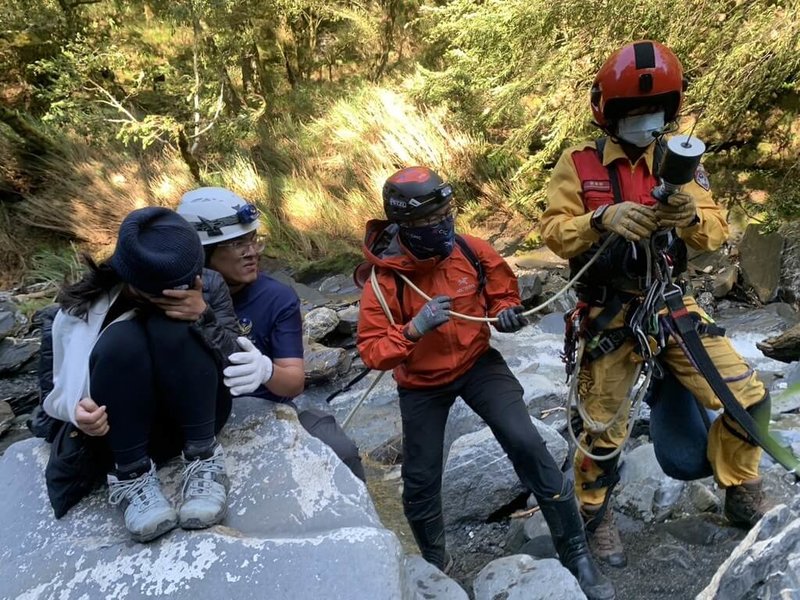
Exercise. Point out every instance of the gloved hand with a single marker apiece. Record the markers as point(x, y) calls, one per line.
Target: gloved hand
point(630, 220)
point(510, 319)
point(249, 369)
point(433, 314)
point(680, 211)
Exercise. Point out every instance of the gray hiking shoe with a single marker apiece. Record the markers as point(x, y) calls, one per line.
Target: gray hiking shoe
point(205, 491)
point(148, 514)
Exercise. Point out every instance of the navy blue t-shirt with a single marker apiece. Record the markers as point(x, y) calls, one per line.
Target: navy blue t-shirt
point(269, 314)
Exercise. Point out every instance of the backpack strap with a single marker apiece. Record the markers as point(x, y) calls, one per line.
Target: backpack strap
point(472, 258)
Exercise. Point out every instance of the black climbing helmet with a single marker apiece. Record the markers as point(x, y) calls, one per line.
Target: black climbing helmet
point(413, 193)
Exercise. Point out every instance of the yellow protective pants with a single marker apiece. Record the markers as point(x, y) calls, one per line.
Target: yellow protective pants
point(606, 382)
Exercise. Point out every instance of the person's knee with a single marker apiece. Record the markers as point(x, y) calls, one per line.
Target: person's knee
point(170, 335)
point(121, 348)
point(421, 507)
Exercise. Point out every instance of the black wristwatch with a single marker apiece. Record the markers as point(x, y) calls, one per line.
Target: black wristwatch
point(596, 221)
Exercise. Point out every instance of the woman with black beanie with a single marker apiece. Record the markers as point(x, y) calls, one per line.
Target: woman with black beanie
point(138, 346)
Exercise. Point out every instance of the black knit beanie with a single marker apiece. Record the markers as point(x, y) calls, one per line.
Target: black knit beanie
point(157, 249)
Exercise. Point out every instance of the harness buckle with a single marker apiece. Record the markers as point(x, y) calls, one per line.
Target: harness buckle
point(606, 344)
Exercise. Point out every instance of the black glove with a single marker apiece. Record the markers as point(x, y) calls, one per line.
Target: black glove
point(511, 319)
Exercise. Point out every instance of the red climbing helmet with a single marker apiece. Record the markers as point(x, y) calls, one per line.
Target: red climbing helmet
point(643, 72)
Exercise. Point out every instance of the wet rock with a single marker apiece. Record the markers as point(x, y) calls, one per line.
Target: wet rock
point(784, 347)
point(390, 452)
point(760, 261)
point(6, 417)
point(16, 352)
point(520, 577)
point(724, 281)
point(337, 284)
point(8, 321)
point(786, 395)
point(702, 530)
point(766, 564)
point(552, 323)
point(478, 477)
point(790, 263)
point(530, 287)
point(538, 542)
point(427, 582)
point(292, 509)
point(319, 322)
point(702, 498)
point(772, 319)
point(670, 555)
point(348, 320)
point(323, 363)
point(646, 493)
point(309, 297)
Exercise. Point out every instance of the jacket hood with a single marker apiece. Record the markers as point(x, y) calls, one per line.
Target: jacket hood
point(383, 248)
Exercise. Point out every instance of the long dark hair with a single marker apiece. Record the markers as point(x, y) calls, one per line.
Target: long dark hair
point(76, 298)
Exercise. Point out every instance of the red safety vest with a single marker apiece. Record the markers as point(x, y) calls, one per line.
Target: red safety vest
point(635, 184)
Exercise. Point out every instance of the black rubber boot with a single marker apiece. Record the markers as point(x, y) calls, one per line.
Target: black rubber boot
point(569, 538)
point(429, 535)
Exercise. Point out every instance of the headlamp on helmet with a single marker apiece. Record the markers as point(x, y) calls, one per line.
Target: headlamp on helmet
point(218, 214)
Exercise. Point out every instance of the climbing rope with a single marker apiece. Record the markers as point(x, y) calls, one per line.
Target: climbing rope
point(385, 306)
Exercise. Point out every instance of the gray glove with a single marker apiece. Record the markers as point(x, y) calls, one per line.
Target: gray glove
point(510, 319)
point(433, 314)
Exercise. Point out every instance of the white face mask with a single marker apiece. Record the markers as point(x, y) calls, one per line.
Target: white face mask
point(640, 130)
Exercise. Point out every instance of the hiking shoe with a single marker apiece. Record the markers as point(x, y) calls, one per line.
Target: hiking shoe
point(148, 514)
point(205, 490)
point(745, 504)
point(604, 541)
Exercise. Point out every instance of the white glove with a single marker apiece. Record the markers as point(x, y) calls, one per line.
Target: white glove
point(249, 369)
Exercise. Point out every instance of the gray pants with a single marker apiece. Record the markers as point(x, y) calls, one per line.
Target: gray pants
point(324, 427)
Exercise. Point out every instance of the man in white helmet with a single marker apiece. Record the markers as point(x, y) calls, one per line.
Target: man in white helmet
point(270, 365)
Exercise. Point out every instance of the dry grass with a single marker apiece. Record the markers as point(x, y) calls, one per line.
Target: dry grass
point(317, 207)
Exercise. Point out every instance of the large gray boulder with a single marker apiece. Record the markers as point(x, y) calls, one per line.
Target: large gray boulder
point(790, 263)
point(479, 478)
point(766, 563)
point(299, 526)
point(760, 261)
point(520, 577)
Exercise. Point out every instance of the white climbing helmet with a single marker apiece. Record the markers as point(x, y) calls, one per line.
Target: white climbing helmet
point(218, 214)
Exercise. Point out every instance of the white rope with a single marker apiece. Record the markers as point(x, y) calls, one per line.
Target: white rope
point(570, 284)
point(596, 427)
point(376, 288)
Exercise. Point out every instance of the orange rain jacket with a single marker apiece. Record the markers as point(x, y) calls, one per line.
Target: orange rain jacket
point(447, 352)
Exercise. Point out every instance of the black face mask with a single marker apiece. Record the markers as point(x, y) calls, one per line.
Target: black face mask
point(430, 240)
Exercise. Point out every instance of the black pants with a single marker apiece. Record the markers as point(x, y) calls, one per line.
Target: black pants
point(161, 386)
point(324, 427)
point(491, 390)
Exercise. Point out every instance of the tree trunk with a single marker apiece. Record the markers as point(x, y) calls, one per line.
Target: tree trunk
point(188, 157)
point(232, 98)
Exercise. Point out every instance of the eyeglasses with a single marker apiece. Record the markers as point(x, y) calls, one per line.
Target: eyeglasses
point(433, 219)
point(256, 242)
